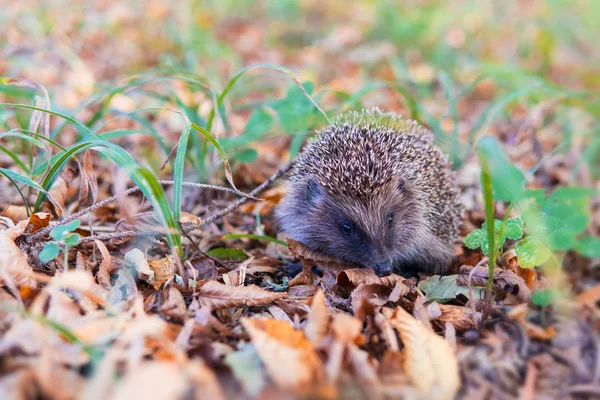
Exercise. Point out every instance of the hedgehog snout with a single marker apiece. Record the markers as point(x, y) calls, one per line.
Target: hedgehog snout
point(383, 268)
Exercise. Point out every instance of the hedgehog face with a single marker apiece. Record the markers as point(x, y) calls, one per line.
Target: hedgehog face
point(371, 231)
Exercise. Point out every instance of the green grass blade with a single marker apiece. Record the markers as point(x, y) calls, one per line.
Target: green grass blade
point(256, 237)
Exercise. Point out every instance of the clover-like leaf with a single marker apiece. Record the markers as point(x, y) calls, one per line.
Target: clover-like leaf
point(49, 252)
point(72, 239)
point(561, 240)
point(531, 252)
point(497, 225)
point(513, 229)
point(542, 298)
point(475, 239)
point(60, 232)
point(588, 246)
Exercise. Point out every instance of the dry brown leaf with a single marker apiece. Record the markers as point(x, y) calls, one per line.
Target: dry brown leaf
point(590, 297)
point(289, 357)
point(164, 269)
point(504, 280)
point(309, 256)
point(38, 221)
point(12, 259)
point(106, 266)
point(15, 213)
point(458, 316)
point(156, 380)
point(187, 218)
point(430, 362)
point(302, 279)
point(317, 322)
point(216, 296)
point(175, 304)
point(349, 279)
point(364, 367)
point(376, 294)
point(89, 182)
point(347, 329)
point(519, 314)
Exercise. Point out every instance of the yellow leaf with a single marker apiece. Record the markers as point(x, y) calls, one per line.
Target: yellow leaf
point(430, 362)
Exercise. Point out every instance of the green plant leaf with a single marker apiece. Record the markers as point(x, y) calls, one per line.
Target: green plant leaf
point(561, 240)
point(475, 239)
point(255, 237)
point(507, 180)
point(513, 228)
point(497, 225)
point(588, 246)
point(227, 253)
point(444, 289)
point(532, 252)
point(49, 252)
point(543, 298)
point(72, 239)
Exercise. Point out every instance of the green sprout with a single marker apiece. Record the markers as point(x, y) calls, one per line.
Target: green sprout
point(64, 234)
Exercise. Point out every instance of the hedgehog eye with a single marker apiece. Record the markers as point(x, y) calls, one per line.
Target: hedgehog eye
point(348, 228)
point(390, 218)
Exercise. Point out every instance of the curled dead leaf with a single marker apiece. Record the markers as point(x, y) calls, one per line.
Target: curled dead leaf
point(430, 362)
point(311, 257)
point(504, 281)
point(216, 296)
point(350, 279)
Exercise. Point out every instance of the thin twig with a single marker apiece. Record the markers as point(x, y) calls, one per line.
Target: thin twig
point(188, 227)
point(45, 231)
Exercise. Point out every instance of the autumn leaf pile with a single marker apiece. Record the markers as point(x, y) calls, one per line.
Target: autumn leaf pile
point(239, 310)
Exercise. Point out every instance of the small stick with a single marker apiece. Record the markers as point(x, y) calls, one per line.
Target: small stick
point(45, 231)
point(188, 227)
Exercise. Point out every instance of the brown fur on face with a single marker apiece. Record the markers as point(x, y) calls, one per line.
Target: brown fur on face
point(388, 227)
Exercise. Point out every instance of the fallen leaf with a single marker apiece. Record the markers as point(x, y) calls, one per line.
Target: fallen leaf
point(278, 344)
point(164, 269)
point(137, 259)
point(12, 259)
point(105, 267)
point(443, 289)
point(309, 256)
point(430, 362)
point(590, 297)
point(349, 279)
point(216, 296)
point(157, 380)
point(175, 304)
point(519, 314)
point(505, 281)
point(317, 323)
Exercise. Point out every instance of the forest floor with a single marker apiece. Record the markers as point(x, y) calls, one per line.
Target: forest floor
point(165, 292)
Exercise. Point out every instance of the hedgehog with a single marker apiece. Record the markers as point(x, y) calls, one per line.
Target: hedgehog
point(373, 190)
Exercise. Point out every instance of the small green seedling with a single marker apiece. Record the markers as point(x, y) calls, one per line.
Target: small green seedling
point(513, 229)
point(61, 233)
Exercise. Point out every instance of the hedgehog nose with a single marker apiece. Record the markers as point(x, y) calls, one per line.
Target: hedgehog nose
point(383, 269)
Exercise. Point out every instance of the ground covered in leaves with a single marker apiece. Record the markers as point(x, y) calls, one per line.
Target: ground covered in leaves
point(102, 297)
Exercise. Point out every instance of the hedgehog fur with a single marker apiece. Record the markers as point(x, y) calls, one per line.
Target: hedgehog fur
point(373, 190)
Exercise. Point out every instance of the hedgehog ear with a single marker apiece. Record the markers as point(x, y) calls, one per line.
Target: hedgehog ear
point(314, 191)
point(400, 183)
